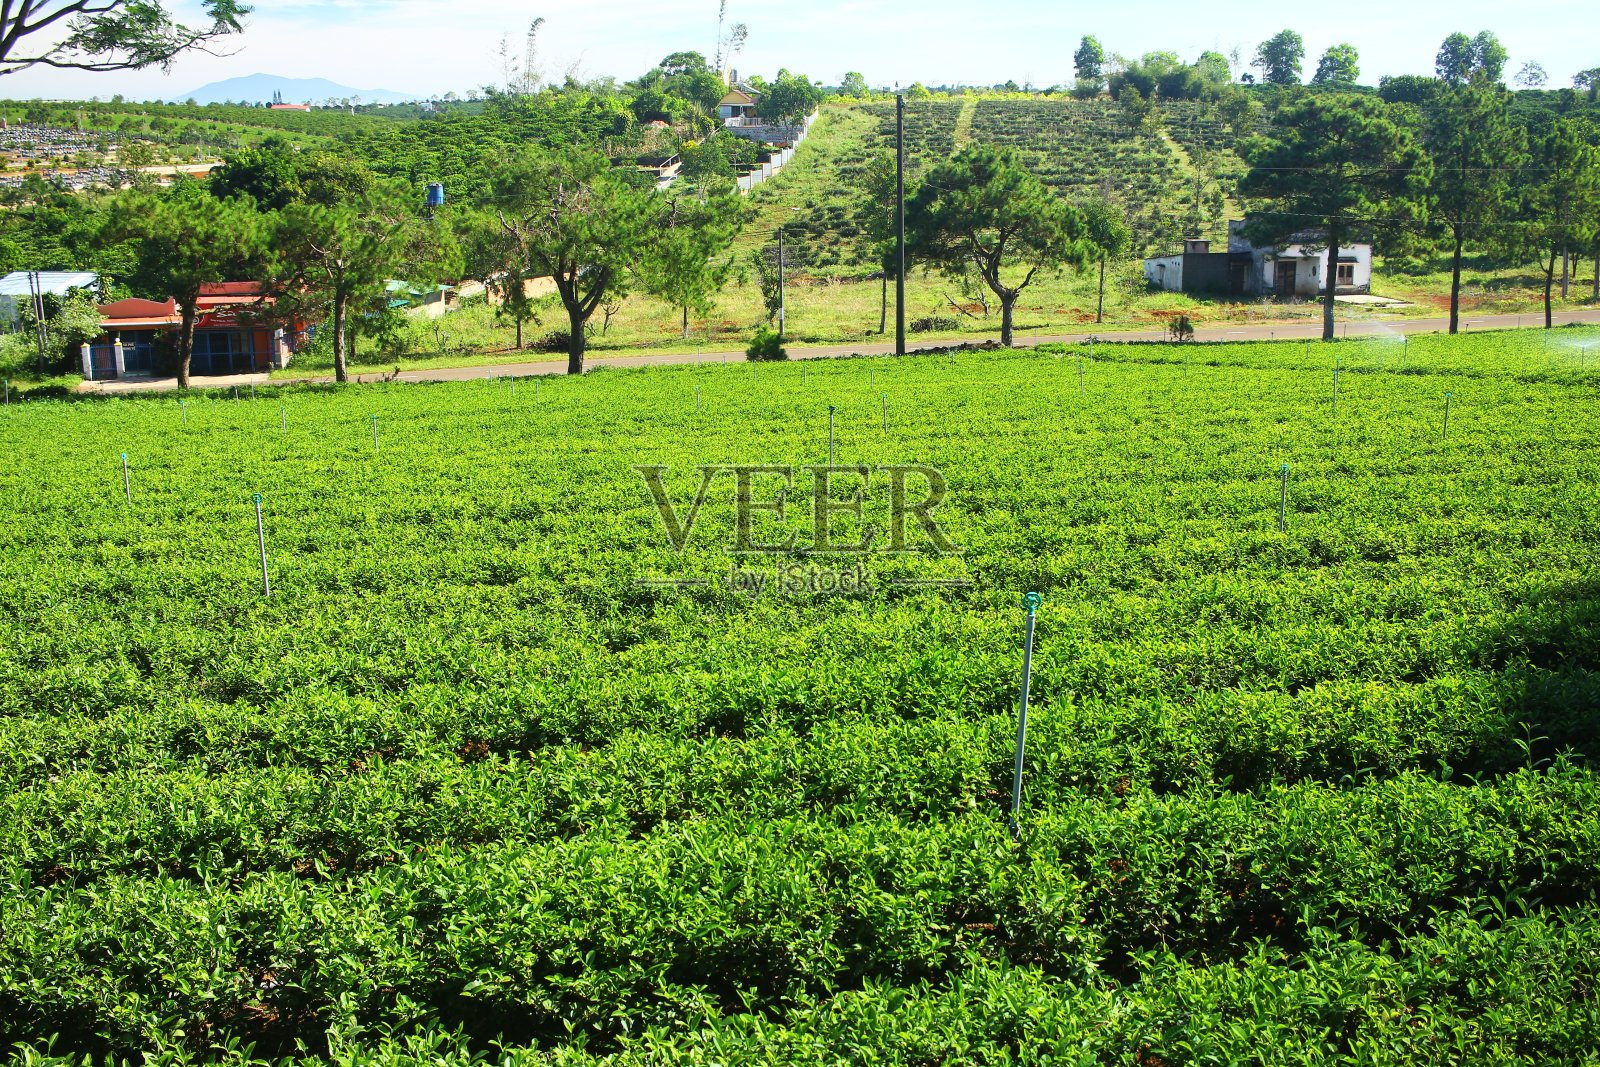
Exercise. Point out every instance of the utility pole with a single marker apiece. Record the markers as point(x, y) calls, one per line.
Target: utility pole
point(36, 291)
point(783, 305)
point(900, 224)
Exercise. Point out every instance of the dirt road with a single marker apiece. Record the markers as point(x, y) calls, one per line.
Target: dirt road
point(1261, 332)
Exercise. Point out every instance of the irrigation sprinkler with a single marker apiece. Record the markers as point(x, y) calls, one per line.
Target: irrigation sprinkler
point(513, 389)
point(261, 540)
point(1446, 435)
point(1080, 375)
point(374, 433)
point(1283, 499)
point(885, 412)
point(805, 374)
point(283, 416)
point(536, 383)
point(236, 394)
point(1031, 603)
point(8, 392)
point(183, 409)
point(697, 396)
point(831, 410)
point(872, 377)
point(1336, 385)
point(252, 390)
point(127, 483)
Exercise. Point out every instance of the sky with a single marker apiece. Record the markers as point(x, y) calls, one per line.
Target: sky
point(429, 48)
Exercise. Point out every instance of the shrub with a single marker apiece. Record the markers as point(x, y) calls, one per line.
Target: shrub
point(554, 341)
point(1181, 329)
point(766, 345)
point(930, 323)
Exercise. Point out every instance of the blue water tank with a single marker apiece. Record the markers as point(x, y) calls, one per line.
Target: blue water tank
point(436, 194)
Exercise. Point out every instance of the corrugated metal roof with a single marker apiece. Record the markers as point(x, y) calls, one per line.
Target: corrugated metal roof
point(53, 281)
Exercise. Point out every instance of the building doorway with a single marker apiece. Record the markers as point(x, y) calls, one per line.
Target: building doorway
point(1283, 279)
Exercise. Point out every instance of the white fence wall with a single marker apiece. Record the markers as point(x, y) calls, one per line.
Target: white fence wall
point(779, 161)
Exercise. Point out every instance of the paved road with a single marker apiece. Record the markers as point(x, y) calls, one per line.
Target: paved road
point(1231, 332)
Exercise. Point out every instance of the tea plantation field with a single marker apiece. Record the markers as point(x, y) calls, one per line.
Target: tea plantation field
point(495, 775)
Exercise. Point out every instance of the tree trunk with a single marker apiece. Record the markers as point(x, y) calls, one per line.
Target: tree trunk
point(519, 331)
point(575, 343)
point(1100, 308)
point(1455, 284)
point(1566, 272)
point(1597, 274)
point(883, 306)
point(341, 368)
point(686, 322)
point(185, 344)
point(1549, 283)
point(1007, 303)
point(1330, 285)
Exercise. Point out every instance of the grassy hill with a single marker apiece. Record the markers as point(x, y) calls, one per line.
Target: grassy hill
point(495, 772)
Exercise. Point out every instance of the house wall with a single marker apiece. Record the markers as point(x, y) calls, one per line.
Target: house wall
point(1165, 272)
point(1311, 270)
point(1205, 272)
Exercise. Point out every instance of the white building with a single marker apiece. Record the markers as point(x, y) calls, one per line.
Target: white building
point(1296, 269)
point(1300, 267)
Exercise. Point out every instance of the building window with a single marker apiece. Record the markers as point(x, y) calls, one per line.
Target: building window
point(1347, 274)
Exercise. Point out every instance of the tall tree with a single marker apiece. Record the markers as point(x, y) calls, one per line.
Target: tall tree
point(1488, 57)
point(1339, 68)
point(1532, 76)
point(334, 259)
point(982, 211)
point(1453, 64)
point(875, 216)
point(690, 262)
point(1561, 199)
point(105, 35)
point(568, 217)
point(1279, 56)
point(1462, 59)
point(790, 98)
point(1590, 80)
point(186, 239)
point(1476, 149)
point(1336, 166)
point(1107, 234)
point(1088, 62)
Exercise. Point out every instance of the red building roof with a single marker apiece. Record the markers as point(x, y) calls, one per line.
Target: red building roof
point(133, 314)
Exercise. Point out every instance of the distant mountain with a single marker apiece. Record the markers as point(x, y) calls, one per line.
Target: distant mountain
point(258, 88)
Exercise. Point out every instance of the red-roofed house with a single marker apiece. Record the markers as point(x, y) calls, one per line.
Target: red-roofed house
point(233, 334)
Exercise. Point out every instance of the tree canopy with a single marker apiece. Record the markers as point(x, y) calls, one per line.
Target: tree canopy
point(1476, 150)
point(105, 35)
point(1462, 59)
point(1339, 167)
point(1339, 68)
point(1279, 56)
point(983, 211)
point(1088, 62)
point(565, 215)
point(186, 238)
point(789, 98)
